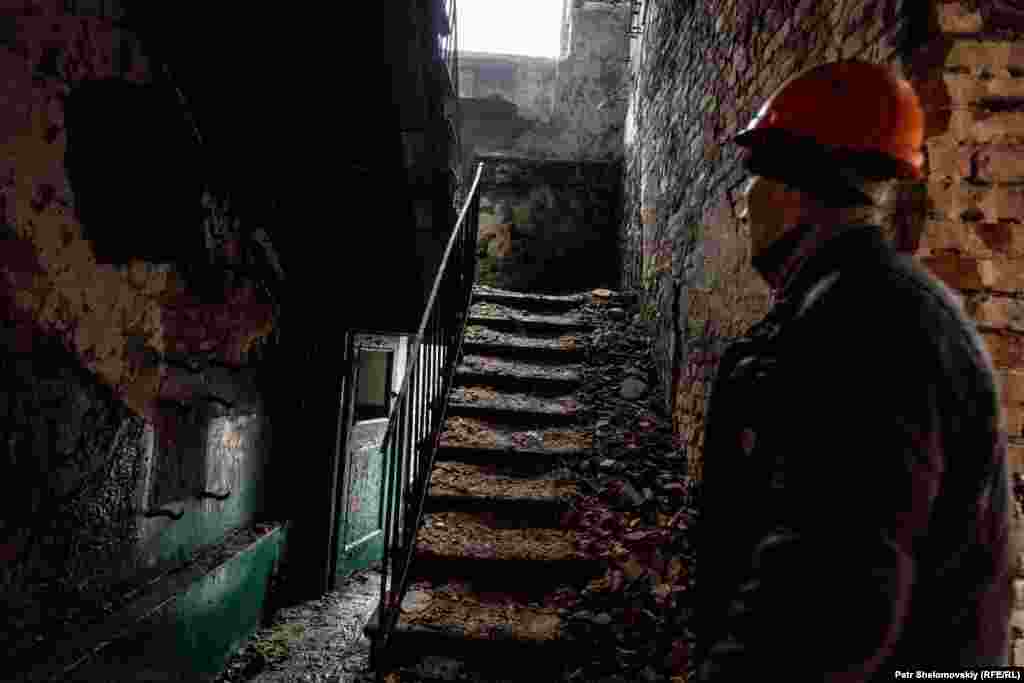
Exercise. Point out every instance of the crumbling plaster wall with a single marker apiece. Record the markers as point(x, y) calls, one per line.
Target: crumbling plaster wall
point(703, 71)
point(100, 358)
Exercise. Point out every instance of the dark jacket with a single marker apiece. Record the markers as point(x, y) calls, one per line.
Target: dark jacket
point(855, 507)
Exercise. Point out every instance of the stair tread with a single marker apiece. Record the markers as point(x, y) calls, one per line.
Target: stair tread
point(460, 611)
point(476, 536)
point(488, 481)
point(487, 365)
point(470, 432)
point(485, 293)
point(489, 398)
point(479, 336)
point(497, 312)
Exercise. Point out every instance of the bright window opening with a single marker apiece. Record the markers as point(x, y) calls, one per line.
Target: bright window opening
point(515, 27)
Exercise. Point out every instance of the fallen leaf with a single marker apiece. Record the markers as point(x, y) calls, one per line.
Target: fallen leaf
point(675, 569)
point(633, 569)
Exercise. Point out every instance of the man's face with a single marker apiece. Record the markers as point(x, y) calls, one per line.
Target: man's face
point(773, 208)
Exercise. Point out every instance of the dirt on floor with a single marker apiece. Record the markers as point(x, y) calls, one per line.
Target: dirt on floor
point(503, 312)
point(485, 481)
point(487, 396)
point(316, 641)
point(518, 368)
point(476, 617)
point(537, 340)
point(477, 433)
point(468, 535)
point(468, 431)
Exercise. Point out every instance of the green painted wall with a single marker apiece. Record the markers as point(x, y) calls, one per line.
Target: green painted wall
point(190, 637)
point(233, 459)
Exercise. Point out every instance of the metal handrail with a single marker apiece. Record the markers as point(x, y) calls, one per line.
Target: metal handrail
point(416, 418)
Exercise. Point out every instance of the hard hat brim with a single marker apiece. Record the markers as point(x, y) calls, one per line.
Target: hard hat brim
point(791, 151)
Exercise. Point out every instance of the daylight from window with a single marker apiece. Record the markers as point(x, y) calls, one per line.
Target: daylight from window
point(515, 27)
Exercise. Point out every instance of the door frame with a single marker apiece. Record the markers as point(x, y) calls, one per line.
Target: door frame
point(339, 464)
point(355, 341)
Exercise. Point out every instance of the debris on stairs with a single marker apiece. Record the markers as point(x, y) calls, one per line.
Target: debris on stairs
point(554, 544)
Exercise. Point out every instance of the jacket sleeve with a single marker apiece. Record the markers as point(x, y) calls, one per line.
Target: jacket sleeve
point(853, 439)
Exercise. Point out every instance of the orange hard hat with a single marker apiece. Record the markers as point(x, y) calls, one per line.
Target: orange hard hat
point(853, 113)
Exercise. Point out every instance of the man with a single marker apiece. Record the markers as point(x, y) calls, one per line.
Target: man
point(855, 506)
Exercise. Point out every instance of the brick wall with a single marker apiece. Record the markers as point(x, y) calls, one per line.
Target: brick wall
point(702, 71)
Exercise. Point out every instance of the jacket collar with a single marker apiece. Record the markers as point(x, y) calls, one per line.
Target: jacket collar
point(850, 244)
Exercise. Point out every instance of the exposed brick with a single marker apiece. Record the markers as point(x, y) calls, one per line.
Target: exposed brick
point(979, 125)
point(958, 17)
point(948, 161)
point(1014, 416)
point(976, 203)
point(1000, 163)
point(944, 198)
point(1015, 457)
point(961, 272)
point(1007, 350)
point(988, 163)
point(1008, 276)
point(979, 54)
point(1012, 385)
point(1000, 312)
point(969, 89)
point(1017, 620)
point(953, 236)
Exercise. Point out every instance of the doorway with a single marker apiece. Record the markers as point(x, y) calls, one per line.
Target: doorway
point(375, 375)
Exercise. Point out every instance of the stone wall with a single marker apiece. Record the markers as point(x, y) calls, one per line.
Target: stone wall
point(539, 220)
point(570, 108)
point(703, 70)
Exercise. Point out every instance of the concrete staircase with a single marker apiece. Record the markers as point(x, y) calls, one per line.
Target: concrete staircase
point(492, 553)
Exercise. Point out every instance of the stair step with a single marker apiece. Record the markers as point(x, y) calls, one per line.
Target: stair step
point(483, 536)
point(512, 406)
point(522, 460)
point(552, 324)
point(485, 341)
point(470, 439)
point(492, 552)
point(497, 316)
point(530, 301)
point(480, 628)
point(526, 351)
point(488, 488)
point(482, 369)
